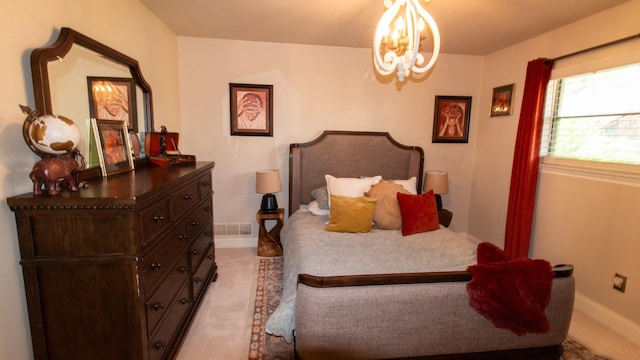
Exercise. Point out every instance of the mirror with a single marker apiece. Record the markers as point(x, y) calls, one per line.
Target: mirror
point(62, 76)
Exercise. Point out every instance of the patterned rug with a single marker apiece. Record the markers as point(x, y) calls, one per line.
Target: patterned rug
point(268, 291)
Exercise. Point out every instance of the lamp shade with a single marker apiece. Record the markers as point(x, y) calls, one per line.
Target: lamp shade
point(438, 181)
point(268, 181)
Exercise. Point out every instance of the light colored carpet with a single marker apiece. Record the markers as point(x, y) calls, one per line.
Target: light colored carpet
point(267, 297)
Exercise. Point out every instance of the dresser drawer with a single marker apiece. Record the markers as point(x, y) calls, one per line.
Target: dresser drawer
point(158, 303)
point(154, 220)
point(183, 199)
point(200, 274)
point(166, 331)
point(199, 246)
point(158, 261)
point(200, 218)
point(206, 185)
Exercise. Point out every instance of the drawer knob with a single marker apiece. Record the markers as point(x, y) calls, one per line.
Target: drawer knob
point(210, 256)
point(205, 183)
point(207, 208)
point(158, 218)
point(207, 233)
point(158, 306)
point(188, 197)
point(185, 301)
point(196, 252)
point(160, 345)
point(197, 280)
point(195, 223)
point(184, 269)
point(156, 265)
point(183, 237)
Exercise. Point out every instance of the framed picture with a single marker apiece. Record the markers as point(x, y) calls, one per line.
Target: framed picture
point(113, 99)
point(251, 109)
point(112, 139)
point(451, 117)
point(502, 100)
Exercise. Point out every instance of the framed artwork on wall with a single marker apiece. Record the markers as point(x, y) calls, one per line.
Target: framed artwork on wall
point(502, 100)
point(113, 98)
point(251, 109)
point(113, 142)
point(451, 119)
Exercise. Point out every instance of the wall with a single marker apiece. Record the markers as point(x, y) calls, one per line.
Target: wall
point(315, 88)
point(30, 24)
point(587, 221)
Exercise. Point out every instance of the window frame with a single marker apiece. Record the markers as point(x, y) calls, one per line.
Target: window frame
point(581, 167)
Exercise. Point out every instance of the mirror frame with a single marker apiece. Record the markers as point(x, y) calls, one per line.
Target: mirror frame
point(41, 57)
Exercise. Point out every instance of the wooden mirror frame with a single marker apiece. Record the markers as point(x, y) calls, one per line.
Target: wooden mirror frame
point(41, 57)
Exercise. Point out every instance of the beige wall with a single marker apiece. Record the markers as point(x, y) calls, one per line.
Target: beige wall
point(584, 220)
point(122, 24)
point(315, 88)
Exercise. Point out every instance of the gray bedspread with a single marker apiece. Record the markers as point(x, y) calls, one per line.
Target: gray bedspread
point(309, 249)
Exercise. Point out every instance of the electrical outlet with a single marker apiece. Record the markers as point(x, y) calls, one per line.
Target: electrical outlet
point(619, 282)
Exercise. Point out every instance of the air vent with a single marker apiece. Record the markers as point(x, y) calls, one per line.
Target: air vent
point(233, 230)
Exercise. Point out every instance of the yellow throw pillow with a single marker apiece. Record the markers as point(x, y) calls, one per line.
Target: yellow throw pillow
point(351, 214)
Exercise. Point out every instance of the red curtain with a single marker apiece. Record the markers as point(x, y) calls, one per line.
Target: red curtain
point(526, 158)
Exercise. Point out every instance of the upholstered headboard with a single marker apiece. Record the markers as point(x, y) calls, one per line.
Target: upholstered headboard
point(349, 154)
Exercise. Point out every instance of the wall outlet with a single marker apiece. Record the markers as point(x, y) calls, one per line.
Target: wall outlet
point(619, 282)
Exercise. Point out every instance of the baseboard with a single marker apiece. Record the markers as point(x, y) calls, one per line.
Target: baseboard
point(612, 320)
point(235, 242)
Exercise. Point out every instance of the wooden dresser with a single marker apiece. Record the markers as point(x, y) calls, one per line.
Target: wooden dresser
point(117, 270)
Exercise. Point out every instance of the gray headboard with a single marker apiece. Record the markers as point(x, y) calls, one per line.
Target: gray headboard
point(349, 154)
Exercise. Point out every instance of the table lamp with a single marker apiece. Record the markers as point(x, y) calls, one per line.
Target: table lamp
point(439, 182)
point(267, 183)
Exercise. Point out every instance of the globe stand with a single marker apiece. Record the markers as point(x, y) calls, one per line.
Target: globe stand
point(57, 165)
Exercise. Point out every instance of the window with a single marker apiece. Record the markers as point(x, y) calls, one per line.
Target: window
point(594, 116)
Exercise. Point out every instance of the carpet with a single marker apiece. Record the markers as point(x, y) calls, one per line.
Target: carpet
point(268, 291)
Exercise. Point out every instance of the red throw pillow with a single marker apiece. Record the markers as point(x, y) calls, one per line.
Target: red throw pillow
point(419, 213)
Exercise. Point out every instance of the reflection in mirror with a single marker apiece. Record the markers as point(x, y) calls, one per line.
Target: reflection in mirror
point(60, 84)
point(69, 92)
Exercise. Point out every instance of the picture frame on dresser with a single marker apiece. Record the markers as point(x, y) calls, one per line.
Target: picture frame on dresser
point(114, 144)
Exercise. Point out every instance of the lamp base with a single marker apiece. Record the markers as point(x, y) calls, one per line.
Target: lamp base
point(269, 204)
point(438, 201)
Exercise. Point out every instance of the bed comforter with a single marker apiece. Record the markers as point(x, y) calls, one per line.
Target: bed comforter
point(309, 249)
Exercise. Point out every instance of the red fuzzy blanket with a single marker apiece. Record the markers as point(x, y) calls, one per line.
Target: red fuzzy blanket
point(511, 293)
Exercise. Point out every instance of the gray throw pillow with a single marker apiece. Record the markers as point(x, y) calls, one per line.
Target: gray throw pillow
point(322, 197)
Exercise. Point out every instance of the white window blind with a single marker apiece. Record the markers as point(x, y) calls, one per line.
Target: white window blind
point(595, 115)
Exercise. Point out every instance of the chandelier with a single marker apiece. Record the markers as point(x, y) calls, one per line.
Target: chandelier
point(396, 42)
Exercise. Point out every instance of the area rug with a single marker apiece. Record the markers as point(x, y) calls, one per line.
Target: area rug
point(268, 292)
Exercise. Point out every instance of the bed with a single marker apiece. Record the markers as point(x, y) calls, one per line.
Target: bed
point(384, 294)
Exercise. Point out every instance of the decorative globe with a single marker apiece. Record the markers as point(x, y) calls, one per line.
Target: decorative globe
point(52, 135)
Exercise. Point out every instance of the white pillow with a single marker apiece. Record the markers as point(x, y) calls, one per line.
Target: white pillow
point(349, 186)
point(316, 210)
point(409, 184)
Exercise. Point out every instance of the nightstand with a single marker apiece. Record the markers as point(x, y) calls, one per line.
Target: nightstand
point(445, 217)
point(269, 240)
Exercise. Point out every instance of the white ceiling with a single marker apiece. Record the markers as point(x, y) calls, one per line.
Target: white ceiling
point(473, 27)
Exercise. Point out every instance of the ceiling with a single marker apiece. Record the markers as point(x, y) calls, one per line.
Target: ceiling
point(471, 27)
